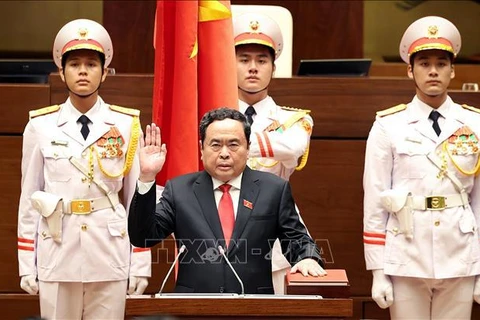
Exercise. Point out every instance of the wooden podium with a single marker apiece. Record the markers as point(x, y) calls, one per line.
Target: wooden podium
point(238, 307)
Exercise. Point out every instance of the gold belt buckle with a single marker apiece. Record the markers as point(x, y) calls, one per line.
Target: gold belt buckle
point(80, 206)
point(435, 203)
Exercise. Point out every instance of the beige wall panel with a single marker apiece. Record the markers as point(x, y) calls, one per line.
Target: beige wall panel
point(385, 23)
point(33, 25)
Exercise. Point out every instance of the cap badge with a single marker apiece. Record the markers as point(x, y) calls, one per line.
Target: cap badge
point(432, 32)
point(82, 33)
point(254, 25)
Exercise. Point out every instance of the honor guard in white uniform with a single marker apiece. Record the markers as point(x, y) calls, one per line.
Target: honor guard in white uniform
point(280, 135)
point(79, 170)
point(422, 192)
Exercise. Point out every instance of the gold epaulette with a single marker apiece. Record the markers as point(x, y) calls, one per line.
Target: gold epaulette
point(464, 106)
point(129, 111)
point(43, 111)
point(391, 110)
point(300, 113)
point(295, 109)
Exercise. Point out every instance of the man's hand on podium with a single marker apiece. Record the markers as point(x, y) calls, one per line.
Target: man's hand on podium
point(308, 267)
point(382, 289)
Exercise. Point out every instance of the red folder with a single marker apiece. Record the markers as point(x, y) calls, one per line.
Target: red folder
point(333, 285)
point(334, 277)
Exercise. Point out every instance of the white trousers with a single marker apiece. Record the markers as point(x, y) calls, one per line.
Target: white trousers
point(77, 300)
point(417, 298)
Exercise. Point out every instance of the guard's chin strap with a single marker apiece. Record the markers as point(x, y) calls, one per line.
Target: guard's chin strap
point(252, 92)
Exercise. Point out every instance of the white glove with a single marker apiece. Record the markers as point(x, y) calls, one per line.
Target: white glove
point(382, 289)
point(136, 285)
point(476, 290)
point(29, 283)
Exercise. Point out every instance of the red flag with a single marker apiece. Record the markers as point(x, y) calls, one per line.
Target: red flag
point(194, 72)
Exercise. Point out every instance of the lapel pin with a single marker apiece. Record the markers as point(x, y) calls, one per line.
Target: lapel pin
point(248, 204)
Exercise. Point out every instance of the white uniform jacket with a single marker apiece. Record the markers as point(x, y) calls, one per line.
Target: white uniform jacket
point(94, 247)
point(276, 151)
point(445, 242)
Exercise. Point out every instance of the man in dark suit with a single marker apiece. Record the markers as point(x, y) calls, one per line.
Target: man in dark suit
point(227, 205)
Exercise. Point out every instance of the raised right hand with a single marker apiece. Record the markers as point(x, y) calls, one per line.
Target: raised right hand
point(152, 153)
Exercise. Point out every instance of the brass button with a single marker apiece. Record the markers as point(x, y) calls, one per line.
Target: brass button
point(123, 233)
point(84, 227)
point(395, 230)
point(437, 223)
point(84, 154)
point(44, 234)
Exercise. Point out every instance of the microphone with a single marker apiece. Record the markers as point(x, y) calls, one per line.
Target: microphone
point(222, 252)
point(180, 251)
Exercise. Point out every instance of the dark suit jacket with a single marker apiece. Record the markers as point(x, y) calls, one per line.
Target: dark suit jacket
point(187, 209)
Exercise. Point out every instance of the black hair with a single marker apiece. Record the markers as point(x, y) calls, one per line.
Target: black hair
point(67, 54)
point(271, 51)
point(222, 114)
point(451, 56)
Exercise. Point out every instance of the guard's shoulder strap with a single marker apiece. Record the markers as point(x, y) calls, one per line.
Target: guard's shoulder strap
point(128, 111)
point(295, 115)
point(391, 110)
point(465, 106)
point(43, 111)
point(295, 109)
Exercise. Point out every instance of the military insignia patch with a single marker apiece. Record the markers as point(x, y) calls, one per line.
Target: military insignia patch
point(111, 144)
point(273, 126)
point(463, 142)
point(307, 126)
point(391, 110)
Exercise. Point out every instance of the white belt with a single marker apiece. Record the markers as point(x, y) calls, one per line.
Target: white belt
point(438, 202)
point(86, 206)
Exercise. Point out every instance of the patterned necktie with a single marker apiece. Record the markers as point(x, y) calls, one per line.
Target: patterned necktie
point(84, 121)
point(225, 211)
point(250, 112)
point(434, 115)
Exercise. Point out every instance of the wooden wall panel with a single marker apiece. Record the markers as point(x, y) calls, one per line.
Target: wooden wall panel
point(19, 306)
point(322, 29)
point(10, 191)
point(130, 25)
point(16, 101)
point(341, 107)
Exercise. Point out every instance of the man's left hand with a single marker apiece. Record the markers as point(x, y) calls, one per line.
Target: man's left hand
point(308, 267)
